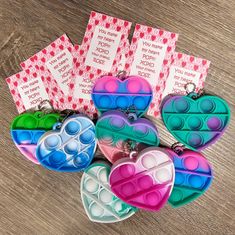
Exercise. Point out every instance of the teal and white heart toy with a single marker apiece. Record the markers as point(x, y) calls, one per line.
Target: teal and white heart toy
point(194, 120)
point(100, 204)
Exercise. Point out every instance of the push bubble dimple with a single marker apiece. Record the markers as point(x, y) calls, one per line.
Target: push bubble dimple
point(70, 146)
point(145, 181)
point(27, 129)
point(131, 93)
point(100, 204)
point(115, 130)
point(197, 123)
point(193, 176)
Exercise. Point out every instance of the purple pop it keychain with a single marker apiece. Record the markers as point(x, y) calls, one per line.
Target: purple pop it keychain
point(116, 131)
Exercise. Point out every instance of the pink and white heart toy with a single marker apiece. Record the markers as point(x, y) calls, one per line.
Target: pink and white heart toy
point(144, 181)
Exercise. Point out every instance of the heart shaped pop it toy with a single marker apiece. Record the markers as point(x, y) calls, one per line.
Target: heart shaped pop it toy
point(100, 204)
point(131, 93)
point(115, 130)
point(27, 128)
point(193, 176)
point(196, 123)
point(145, 182)
point(71, 148)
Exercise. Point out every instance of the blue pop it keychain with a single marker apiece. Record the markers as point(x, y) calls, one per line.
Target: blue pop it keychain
point(196, 120)
point(131, 93)
point(70, 146)
point(193, 175)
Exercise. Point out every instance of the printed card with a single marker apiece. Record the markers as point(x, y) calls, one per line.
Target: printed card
point(185, 69)
point(29, 89)
point(56, 61)
point(150, 57)
point(103, 51)
point(103, 44)
point(124, 56)
point(83, 83)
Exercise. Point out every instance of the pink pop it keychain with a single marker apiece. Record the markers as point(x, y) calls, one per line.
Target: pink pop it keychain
point(145, 180)
point(122, 92)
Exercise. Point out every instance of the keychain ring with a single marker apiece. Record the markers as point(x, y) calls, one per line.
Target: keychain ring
point(121, 74)
point(178, 147)
point(190, 87)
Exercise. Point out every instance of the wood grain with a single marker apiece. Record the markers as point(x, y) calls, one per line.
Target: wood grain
point(37, 201)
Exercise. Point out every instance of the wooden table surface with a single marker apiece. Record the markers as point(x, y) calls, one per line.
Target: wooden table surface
point(34, 200)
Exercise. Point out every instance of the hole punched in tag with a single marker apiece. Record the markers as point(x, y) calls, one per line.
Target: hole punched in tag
point(190, 89)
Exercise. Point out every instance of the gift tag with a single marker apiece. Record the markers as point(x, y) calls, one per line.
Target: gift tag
point(70, 146)
point(27, 129)
point(131, 93)
point(102, 52)
point(29, 88)
point(196, 121)
point(118, 134)
point(124, 56)
point(185, 69)
point(56, 62)
point(193, 176)
point(103, 43)
point(150, 57)
point(144, 181)
point(100, 204)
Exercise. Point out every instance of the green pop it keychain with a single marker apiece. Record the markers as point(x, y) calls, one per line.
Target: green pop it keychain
point(27, 128)
point(196, 120)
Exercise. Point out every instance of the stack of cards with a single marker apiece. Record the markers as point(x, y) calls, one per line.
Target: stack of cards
point(64, 73)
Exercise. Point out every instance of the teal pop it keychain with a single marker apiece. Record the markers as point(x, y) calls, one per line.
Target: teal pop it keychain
point(99, 202)
point(196, 120)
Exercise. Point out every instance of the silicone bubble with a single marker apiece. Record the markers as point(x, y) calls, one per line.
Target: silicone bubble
point(193, 176)
point(70, 148)
point(114, 130)
point(100, 204)
point(144, 181)
point(197, 123)
point(111, 93)
point(27, 129)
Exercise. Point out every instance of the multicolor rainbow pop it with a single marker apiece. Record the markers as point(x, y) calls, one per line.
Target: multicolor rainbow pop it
point(118, 134)
point(197, 123)
point(27, 129)
point(193, 176)
point(71, 147)
point(100, 204)
point(131, 93)
point(145, 181)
